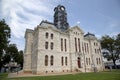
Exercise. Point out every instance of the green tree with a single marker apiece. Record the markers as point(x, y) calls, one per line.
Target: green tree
point(4, 38)
point(11, 53)
point(112, 44)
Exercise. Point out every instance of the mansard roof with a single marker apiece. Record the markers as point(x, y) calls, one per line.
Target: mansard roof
point(90, 36)
point(47, 22)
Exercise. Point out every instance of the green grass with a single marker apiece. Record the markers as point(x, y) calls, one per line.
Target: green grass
point(3, 76)
point(114, 75)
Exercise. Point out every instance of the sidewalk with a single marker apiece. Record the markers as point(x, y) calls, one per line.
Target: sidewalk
point(22, 74)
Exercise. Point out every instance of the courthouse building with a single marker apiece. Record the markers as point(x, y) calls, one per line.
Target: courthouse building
point(54, 47)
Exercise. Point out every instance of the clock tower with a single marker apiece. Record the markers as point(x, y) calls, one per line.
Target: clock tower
point(60, 18)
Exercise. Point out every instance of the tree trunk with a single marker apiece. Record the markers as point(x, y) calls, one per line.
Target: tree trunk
point(114, 63)
point(1, 64)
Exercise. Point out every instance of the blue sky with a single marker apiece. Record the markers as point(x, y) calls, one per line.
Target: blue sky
point(99, 17)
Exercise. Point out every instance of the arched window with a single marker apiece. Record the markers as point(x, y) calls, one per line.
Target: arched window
point(99, 61)
point(65, 45)
point(46, 45)
point(46, 60)
point(62, 60)
point(51, 45)
point(76, 44)
point(83, 47)
point(61, 44)
point(87, 61)
point(95, 51)
point(87, 48)
point(66, 61)
point(98, 51)
point(51, 61)
point(79, 45)
point(51, 36)
point(46, 34)
point(94, 43)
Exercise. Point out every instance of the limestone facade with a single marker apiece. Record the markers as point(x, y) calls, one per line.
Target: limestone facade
point(49, 50)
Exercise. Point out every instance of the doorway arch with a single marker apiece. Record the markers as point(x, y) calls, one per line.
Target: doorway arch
point(79, 62)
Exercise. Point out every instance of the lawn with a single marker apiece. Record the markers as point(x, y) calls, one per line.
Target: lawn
point(114, 75)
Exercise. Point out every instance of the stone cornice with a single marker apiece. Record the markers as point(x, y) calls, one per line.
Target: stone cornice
point(28, 31)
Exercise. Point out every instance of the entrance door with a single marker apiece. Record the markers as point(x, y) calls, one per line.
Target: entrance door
point(79, 63)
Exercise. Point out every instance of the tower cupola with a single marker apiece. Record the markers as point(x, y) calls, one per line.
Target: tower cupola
point(60, 18)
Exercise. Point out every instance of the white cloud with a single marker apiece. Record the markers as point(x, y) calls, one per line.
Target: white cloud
point(33, 10)
point(22, 14)
point(78, 22)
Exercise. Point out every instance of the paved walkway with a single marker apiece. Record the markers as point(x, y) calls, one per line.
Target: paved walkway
point(22, 74)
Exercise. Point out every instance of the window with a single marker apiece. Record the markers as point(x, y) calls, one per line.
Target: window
point(46, 34)
point(66, 61)
point(82, 47)
point(87, 61)
point(65, 45)
point(46, 45)
point(79, 44)
point(87, 48)
point(95, 50)
point(51, 36)
point(75, 44)
point(94, 43)
point(99, 61)
point(51, 61)
point(46, 60)
point(61, 44)
point(62, 61)
point(76, 33)
point(52, 45)
point(98, 51)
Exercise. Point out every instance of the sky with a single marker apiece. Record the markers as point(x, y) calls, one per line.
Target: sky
point(99, 17)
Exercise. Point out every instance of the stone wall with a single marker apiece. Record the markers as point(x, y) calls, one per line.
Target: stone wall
point(35, 46)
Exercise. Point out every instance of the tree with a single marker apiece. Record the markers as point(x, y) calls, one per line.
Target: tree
point(112, 44)
point(11, 53)
point(118, 43)
point(8, 51)
point(4, 38)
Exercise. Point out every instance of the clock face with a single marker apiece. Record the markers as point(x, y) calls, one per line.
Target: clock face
point(62, 8)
